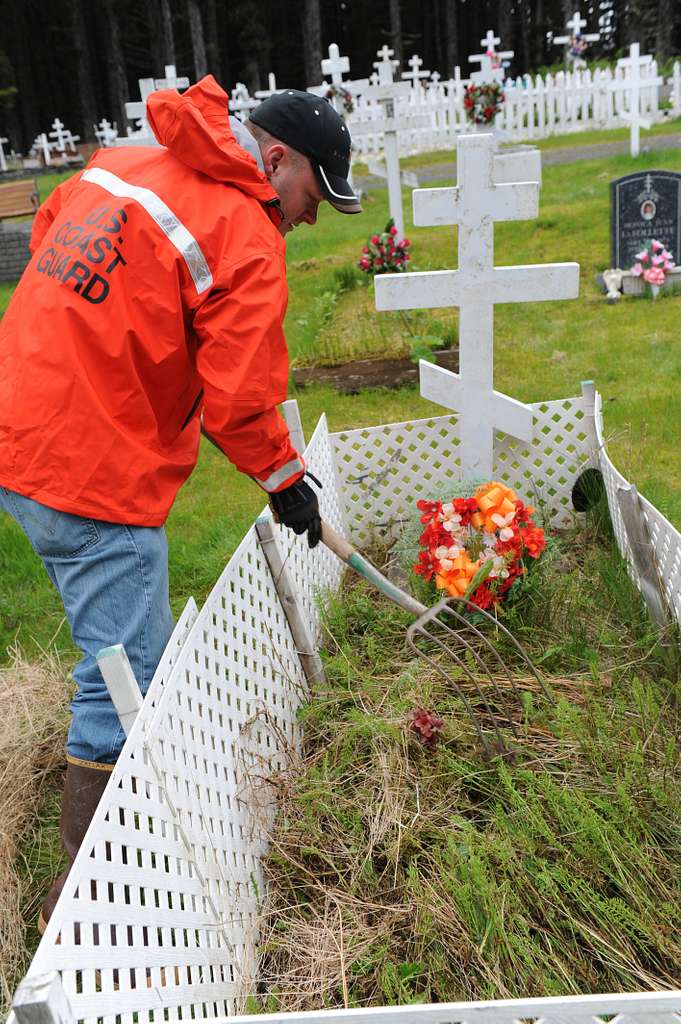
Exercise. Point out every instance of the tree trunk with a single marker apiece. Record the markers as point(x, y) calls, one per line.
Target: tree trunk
point(160, 34)
point(524, 13)
point(396, 29)
point(212, 40)
point(538, 35)
point(664, 35)
point(503, 20)
point(20, 45)
point(168, 42)
point(451, 38)
point(198, 44)
point(312, 41)
point(86, 89)
point(118, 84)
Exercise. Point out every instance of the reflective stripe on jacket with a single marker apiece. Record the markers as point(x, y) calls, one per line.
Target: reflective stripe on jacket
point(154, 299)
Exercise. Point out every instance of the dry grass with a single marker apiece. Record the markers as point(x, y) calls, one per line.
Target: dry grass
point(400, 873)
point(33, 711)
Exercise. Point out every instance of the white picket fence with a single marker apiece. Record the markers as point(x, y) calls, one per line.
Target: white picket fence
point(534, 108)
point(158, 919)
point(433, 113)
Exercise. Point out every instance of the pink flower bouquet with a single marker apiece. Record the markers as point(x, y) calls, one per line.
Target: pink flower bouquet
point(653, 264)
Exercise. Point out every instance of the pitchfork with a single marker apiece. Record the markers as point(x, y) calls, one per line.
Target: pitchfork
point(445, 643)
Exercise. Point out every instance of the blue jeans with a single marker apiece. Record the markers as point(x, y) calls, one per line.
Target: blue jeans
point(113, 580)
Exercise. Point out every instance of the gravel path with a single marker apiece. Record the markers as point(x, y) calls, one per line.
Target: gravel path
point(550, 158)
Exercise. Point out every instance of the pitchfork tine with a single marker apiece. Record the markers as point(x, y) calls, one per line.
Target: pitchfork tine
point(447, 676)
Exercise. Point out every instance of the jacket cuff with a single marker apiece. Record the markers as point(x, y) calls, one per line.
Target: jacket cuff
point(282, 477)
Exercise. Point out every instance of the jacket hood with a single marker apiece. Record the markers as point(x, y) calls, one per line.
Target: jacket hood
point(194, 127)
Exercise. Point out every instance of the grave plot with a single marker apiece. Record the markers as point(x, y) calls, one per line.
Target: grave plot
point(405, 867)
point(551, 864)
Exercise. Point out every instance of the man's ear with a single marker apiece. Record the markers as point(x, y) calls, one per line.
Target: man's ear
point(272, 157)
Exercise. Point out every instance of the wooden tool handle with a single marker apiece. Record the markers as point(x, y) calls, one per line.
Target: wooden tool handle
point(351, 556)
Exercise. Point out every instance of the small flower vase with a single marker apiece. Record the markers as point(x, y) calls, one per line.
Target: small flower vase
point(655, 289)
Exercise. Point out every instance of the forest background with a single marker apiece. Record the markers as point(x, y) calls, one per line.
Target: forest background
point(81, 59)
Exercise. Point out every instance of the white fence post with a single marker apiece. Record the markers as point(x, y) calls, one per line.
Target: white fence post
point(121, 683)
point(41, 1000)
point(675, 82)
point(291, 413)
point(643, 553)
point(290, 602)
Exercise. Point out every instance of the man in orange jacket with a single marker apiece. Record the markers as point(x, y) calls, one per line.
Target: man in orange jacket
point(152, 309)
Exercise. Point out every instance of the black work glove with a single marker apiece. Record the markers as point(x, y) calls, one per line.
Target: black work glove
point(297, 507)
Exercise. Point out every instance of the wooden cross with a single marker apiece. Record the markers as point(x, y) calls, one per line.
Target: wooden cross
point(575, 25)
point(137, 110)
point(415, 74)
point(386, 92)
point(490, 41)
point(171, 81)
point(106, 132)
point(385, 53)
point(263, 94)
point(475, 287)
point(489, 70)
point(335, 65)
point(63, 137)
point(41, 145)
point(634, 82)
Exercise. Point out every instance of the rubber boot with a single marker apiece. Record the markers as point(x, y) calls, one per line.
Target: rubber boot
point(83, 787)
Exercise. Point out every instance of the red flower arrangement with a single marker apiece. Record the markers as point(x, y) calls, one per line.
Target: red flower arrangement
point(383, 254)
point(476, 547)
point(483, 102)
point(344, 95)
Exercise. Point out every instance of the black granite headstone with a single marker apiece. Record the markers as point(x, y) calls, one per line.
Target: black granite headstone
point(644, 206)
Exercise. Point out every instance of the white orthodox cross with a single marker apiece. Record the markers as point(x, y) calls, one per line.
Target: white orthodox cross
point(488, 71)
point(575, 25)
point(475, 287)
point(41, 145)
point(171, 81)
point(137, 110)
point(3, 161)
point(415, 74)
point(63, 137)
point(335, 65)
point(633, 83)
point(106, 132)
point(387, 92)
point(263, 94)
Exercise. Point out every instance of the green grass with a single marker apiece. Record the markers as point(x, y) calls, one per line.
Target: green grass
point(543, 351)
point(572, 140)
point(447, 877)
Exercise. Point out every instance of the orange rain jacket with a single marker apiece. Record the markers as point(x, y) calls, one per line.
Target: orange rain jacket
point(156, 291)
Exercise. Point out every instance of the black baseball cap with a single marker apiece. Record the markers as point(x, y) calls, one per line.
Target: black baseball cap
point(311, 126)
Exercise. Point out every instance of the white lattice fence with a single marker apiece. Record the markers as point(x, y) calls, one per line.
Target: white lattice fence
point(157, 920)
point(384, 470)
point(665, 540)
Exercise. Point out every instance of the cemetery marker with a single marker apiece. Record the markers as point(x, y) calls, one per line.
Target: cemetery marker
point(575, 25)
point(475, 203)
point(632, 66)
point(491, 63)
point(386, 92)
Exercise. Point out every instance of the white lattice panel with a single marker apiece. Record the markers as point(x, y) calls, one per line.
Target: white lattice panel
point(384, 470)
point(157, 919)
point(622, 1008)
point(665, 539)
